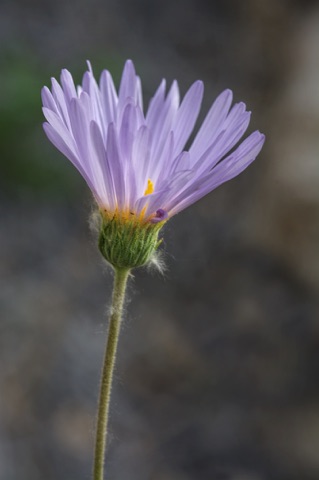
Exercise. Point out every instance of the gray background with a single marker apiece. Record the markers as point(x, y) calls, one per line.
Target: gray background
point(218, 361)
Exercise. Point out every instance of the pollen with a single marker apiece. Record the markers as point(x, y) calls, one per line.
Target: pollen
point(149, 188)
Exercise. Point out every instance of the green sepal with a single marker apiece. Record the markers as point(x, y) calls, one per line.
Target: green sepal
point(128, 243)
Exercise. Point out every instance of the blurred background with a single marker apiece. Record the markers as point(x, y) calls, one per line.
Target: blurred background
point(217, 374)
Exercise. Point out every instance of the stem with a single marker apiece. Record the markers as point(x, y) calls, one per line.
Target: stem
point(119, 287)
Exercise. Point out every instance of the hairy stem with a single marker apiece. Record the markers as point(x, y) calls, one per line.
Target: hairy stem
point(120, 281)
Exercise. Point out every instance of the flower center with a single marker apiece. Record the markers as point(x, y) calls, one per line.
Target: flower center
point(150, 187)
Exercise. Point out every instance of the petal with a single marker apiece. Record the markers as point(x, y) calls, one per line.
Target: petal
point(68, 85)
point(91, 88)
point(212, 124)
point(80, 119)
point(159, 170)
point(57, 123)
point(164, 124)
point(106, 169)
point(59, 98)
point(48, 100)
point(181, 163)
point(127, 131)
point(225, 141)
point(127, 135)
point(59, 143)
point(186, 115)
point(79, 125)
point(108, 97)
point(237, 161)
point(139, 93)
point(141, 151)
point(155, 105)
point(224, 171)
point(114, 158)
point(128, 83)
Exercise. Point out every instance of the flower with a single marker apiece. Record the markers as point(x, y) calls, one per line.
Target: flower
point(136, 164)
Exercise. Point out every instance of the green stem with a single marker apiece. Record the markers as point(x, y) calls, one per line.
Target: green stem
point(120, 281)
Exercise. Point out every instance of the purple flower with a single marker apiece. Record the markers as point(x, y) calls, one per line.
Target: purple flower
point(135, 163)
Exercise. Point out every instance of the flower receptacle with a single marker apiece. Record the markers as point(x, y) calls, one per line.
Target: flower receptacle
point(128, 242)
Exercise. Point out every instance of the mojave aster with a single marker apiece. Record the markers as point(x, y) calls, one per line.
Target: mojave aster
point(135, 163)
point(140, 173)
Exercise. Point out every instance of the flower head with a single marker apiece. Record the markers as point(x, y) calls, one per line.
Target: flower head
point(136, 163)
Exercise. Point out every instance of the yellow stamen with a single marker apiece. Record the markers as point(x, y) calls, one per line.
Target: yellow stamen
point(126, 215)
point(149, 188)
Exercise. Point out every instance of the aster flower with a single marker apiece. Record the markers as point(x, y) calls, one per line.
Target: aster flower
point(139, 172)
point(136, 164)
